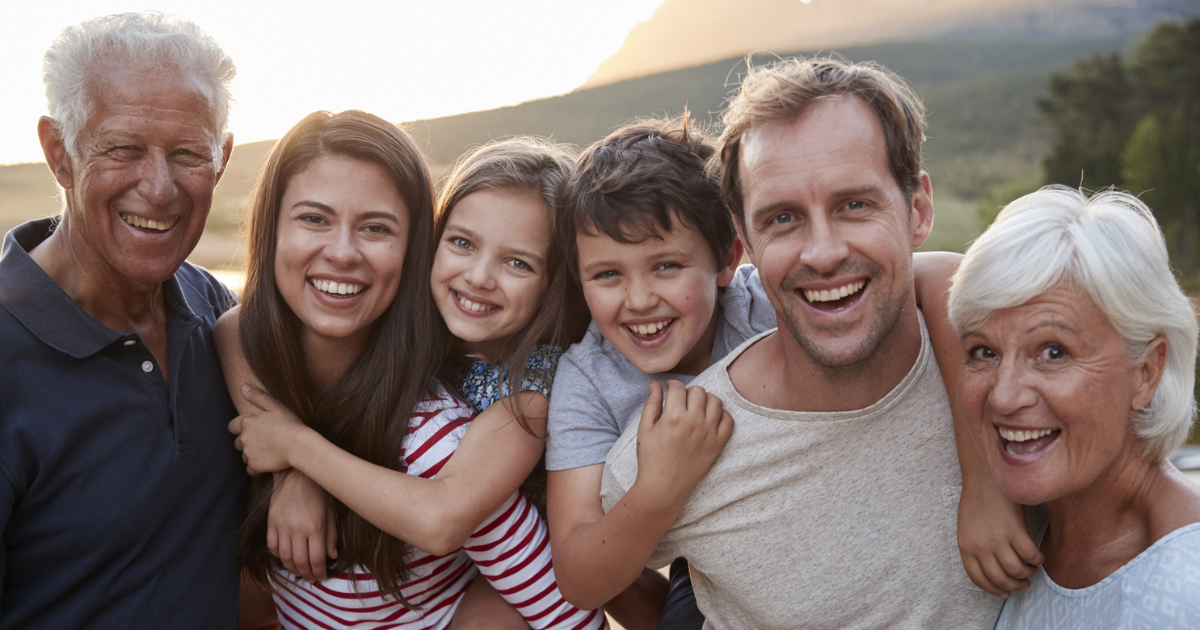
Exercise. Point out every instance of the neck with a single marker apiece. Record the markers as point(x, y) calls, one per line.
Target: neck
point(815, 387)
point(1099, 529)
point(327, 359)
point(120, 303)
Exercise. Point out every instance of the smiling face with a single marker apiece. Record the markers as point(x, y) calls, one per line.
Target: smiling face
point(342, 234)
point(489, 272)
point(140, 190)
point(830, 230)
point(655, 301)
point(1047, 388)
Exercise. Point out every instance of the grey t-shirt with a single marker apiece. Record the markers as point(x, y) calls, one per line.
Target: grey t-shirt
point(597, 391)
point(843, 520)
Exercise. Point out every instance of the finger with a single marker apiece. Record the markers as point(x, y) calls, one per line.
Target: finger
point(330, 534)
point(697, 399)
point(285, 554)
point(273, 541)
point(1014, 566)
point(316, 557)
point(975, 572)
point(999, 577)
point(258, 397)
point(653, 407)
point(675, 399)
point(725, 428)
point(235, 426)
point(241, 448)
point(712, 408)
point(300, 558)
point(1024, 547)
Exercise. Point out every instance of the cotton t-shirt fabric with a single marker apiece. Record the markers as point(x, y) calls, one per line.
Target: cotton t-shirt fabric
point(825, 520)
point(511, 548)
point(1159, 589)
point(598, 392)
point(120, 491)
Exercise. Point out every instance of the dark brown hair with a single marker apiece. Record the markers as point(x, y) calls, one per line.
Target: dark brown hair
point(538, 166)
point(366, 412)
point(786, 89)
point(630, 184)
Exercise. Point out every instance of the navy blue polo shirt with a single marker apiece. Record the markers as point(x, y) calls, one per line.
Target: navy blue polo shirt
point(120, 494)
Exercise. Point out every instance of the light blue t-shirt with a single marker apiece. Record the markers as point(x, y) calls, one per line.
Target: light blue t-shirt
point(597, 391)
point(1159, 590)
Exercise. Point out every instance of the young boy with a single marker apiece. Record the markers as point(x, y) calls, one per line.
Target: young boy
point(656, 255)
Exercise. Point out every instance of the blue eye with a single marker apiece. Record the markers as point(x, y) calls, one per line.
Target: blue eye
point(460, 242)
point(605, 275)
point(781, 219)
point(856, 205)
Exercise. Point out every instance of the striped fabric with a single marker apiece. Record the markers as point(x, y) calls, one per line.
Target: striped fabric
point(511, 549)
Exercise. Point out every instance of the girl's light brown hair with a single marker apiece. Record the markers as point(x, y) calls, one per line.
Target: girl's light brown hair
point(366, 412)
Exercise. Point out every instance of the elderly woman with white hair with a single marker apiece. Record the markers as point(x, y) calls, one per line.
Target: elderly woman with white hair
point(1077, 383)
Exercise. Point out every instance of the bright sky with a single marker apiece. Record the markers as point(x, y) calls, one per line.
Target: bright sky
point(399, 59)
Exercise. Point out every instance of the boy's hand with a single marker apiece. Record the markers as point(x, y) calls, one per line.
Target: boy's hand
point(678, 441)
point(265, 437)
point(997, 552)
point(301, 529)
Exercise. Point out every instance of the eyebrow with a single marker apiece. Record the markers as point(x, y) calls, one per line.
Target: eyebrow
point(378, 215)
point(521, 253)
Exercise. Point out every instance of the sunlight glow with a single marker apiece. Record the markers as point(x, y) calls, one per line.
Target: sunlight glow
point(401, 60)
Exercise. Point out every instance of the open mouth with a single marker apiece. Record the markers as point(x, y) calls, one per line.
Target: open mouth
point(836, 299)
point(336, 289)
point(474, 307)
point(149, 224)
point(650, 331)
point(1027, 443)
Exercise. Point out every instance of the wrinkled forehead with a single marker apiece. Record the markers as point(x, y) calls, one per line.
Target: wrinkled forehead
point(178, 95)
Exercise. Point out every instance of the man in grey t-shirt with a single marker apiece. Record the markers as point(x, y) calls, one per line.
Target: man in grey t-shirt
point(833, 504)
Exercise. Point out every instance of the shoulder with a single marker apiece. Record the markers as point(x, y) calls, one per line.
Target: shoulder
point(202, 290)
point(226, 331)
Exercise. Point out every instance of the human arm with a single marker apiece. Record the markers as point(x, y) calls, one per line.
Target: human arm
point(434, 515)
point(997, 551)
point(597, 555)
point(301, 529)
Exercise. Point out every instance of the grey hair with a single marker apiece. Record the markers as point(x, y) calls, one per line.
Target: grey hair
point(146, 43)
point(1111, 247)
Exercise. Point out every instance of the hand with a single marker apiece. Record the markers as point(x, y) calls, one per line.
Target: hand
point(301, 528)
point(678, 441)
point(265, 437)
point(997, 552)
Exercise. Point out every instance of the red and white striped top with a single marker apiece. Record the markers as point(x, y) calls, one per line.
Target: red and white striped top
point(511, 549)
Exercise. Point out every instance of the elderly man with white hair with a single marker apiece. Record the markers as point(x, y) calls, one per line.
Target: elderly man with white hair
point(1077, 383)
point(119, 485)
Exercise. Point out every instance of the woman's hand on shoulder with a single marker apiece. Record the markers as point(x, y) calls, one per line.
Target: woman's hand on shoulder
point(266, 436)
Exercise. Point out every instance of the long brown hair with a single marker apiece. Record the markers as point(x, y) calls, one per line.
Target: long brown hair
point(541, 167)
point(366, 412)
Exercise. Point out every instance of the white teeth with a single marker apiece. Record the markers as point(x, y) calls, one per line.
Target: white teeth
point(835, 294)
point(142, 222)
point(474, 307)
point(337, 288)
point(1023, 436)
point(649, 329)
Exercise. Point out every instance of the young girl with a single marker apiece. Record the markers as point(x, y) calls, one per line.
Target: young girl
point(493, 265)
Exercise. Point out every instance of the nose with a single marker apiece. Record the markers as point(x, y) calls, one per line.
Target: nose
point(156, 183)
point(479, 274)
point(343, 250)
point(825, 248)
point(640, 295)
point(1011, 391)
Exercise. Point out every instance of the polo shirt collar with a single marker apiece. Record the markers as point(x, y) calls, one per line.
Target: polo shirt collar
point(35, 300)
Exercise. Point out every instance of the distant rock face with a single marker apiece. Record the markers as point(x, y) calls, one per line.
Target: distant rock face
point(686, 33)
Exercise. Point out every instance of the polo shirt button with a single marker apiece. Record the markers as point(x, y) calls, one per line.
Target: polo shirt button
point(147, 366)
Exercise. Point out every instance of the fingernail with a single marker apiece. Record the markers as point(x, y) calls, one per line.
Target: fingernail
point(245, 388)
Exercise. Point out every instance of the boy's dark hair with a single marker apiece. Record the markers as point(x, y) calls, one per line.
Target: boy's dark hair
point(628, 185)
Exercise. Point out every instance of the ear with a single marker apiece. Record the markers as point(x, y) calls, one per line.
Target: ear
point(725, 273)
point(1149, 373)
point(226, 150)
point(922, 211)
point(741, 240)
point(58, 159)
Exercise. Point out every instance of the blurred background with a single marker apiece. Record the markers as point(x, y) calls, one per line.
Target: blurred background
point(1019, 93)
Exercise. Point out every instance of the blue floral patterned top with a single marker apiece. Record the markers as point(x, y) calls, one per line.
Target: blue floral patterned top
point(484, 383)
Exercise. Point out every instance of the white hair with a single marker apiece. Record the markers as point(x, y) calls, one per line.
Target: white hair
point(1111, 247)
point(146, 43)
